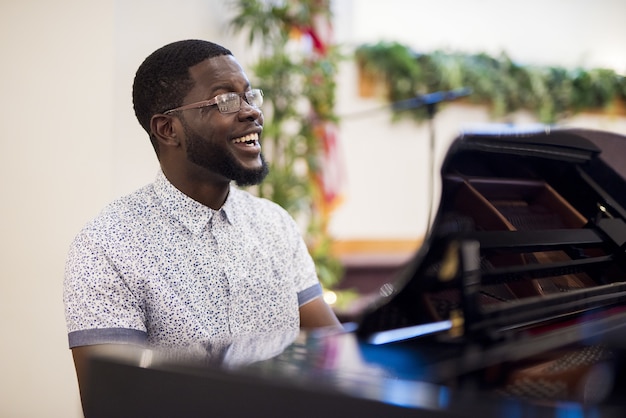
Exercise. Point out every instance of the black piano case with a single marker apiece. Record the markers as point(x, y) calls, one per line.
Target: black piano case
point(524, 262)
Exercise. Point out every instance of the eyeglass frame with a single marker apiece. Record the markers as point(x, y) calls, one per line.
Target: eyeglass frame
point(213, 102)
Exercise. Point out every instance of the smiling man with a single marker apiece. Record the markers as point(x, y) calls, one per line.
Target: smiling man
point(191, 260)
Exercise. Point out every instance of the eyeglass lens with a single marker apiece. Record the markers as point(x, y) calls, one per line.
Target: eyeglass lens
point(231, 102)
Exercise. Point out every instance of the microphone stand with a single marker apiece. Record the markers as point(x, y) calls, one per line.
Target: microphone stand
point(430, 102)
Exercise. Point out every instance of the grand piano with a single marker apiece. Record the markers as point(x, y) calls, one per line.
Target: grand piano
point(514, 306)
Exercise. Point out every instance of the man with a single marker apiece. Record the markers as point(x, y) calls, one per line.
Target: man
point(191, 260)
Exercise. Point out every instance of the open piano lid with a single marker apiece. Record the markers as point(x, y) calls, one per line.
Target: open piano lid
point(525, 253)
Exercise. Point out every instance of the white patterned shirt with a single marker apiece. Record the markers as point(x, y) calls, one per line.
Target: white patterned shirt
point(158, 268)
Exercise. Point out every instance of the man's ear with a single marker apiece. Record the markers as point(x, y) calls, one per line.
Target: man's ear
point(164, 129)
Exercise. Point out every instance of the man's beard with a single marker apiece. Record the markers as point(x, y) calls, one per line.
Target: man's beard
point(220, 160)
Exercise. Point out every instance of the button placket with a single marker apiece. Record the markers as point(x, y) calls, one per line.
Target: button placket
point(228, 259)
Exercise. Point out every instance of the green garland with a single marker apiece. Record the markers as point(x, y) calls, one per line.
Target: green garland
point(551, 93)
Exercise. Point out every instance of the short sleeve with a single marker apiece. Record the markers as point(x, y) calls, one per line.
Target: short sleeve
point(307, 295)
point(99, 306)
point(306, 281)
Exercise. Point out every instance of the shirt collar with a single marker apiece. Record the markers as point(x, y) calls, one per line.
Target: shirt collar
point(191, 213)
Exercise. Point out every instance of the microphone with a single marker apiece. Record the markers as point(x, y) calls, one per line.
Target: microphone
point(431, 99)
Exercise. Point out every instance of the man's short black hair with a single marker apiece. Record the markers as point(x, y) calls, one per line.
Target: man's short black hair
point(162, 80)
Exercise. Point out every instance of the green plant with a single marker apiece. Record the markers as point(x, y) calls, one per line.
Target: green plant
point(299, 87)
point(551, 93)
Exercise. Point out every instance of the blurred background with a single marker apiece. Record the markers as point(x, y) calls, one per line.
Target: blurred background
point(70, 141)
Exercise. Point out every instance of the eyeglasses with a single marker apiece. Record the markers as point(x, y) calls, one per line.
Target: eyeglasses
point(227, 102)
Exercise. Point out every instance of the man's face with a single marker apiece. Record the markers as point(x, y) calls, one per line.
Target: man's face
point(226, 145)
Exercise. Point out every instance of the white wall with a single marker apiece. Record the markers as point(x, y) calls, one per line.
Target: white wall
point(551, 32)
point(55, 111)
point(70, 142)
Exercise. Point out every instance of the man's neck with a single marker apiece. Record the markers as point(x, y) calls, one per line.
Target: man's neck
point(211, 193)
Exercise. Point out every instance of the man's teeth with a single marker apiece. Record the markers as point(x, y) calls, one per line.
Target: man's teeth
point(249, 139)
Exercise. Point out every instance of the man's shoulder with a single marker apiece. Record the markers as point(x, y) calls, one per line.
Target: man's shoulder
point(134, 208)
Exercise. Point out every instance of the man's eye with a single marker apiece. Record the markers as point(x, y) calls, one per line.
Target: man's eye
point(230, 105)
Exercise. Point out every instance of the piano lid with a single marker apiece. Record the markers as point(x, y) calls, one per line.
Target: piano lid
point(530, 231)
